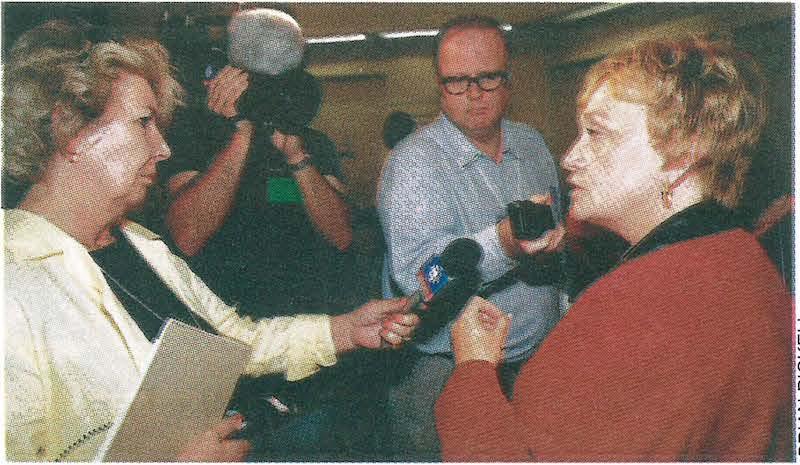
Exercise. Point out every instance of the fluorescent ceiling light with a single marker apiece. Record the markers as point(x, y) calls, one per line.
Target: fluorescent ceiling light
point(332, 39)
point(589, 11)
point(404, 34)
point(422, 33)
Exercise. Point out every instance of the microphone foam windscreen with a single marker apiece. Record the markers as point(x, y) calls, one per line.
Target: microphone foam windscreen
point(461, 256)
point(265, 41)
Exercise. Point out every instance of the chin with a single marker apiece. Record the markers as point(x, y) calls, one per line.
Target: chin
point(586, 213)
point(136, 205)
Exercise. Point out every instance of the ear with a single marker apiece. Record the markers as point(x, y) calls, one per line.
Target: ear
point(676, 166)
point(58, 119)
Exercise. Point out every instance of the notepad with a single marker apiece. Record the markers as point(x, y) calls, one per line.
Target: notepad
point(188, 383)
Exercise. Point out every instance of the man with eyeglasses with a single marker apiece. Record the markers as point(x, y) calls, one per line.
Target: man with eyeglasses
point(454, 178)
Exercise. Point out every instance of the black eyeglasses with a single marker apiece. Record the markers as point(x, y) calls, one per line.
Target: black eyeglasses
point(457, 85)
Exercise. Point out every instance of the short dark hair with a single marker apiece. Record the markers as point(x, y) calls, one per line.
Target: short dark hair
point(465, 22)
point(397, 126)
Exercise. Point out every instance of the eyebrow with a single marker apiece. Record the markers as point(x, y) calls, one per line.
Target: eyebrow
point(482, 73)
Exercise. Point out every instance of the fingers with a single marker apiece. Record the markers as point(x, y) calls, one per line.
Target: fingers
point(234, 450)
point(557, 239)
point(228, 426)
point(225, 89)
point(399, 328)
point(212, 445)
point(397, 305)
point(535, 246)
point(278, 139)
point(482, 307)
point(290, 145)
point(402, 325)
point(394, 340)
point(543, 199)
point(551, 241)
point(480, 332)
point(231, 450)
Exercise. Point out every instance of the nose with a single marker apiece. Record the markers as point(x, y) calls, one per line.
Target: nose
point(576, 157)
point(474, 92)
point(161, 150)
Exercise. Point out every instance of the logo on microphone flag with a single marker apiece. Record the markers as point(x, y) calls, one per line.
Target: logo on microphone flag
point(432, 277)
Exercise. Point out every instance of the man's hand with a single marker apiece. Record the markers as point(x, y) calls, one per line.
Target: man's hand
point(290, 146)
point(550, 241)
point(225, 89)
point(480, 332)
point(375, 321)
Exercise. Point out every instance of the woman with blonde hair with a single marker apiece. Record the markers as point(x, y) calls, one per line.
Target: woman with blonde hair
point(87, 290)
point(682, 352)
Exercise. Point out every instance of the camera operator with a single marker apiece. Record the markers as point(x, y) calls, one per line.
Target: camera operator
point(256, 206)
point(252, 206)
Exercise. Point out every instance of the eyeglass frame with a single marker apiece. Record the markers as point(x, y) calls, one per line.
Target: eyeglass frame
point(504, 76)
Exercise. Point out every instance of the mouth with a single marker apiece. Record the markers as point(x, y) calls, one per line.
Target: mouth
point(570, 182)
point(150, 178)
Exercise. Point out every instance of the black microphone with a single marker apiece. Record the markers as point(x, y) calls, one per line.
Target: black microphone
point(447, 282)
point(496, 285)
point(457, 261)
point(543, 270)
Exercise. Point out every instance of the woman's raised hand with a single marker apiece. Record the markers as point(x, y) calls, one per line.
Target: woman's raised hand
point(480, 332)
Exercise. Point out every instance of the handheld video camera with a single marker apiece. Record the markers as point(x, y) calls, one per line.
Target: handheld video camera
point(288, 101)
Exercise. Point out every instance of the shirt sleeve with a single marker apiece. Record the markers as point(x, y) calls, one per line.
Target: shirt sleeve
point(295, 345)
point(474, 420)
point(27, 402)
point(195, 138)
point(419, 218)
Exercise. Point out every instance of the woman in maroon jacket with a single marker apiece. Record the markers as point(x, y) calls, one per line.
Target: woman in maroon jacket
point(682, 352)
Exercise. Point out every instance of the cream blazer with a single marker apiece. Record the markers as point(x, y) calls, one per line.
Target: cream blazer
point(73, 353)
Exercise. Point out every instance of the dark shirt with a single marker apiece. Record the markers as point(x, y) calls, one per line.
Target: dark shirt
point(267, 256)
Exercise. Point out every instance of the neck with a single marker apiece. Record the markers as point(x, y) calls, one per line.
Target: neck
point(636, 226)
point(77, 216)
point(490, 143)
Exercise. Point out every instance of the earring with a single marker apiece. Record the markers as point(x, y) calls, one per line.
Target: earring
point(666, 195)
point(666, 199)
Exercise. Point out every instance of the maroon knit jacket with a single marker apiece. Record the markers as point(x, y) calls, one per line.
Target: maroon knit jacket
point(680, 354)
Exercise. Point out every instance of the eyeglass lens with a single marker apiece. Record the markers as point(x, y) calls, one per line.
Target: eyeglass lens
point(485, 81)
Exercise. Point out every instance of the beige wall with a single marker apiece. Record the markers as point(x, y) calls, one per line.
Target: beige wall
point(359, 95)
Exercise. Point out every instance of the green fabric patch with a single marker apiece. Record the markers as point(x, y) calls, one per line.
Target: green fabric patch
point(283, 190)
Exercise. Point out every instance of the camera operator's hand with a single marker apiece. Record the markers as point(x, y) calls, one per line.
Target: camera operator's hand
point(225, 89)
point(290, 146)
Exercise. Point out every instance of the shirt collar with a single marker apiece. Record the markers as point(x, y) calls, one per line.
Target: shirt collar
point(465, 151)
point(29, 236)
point(702, 219)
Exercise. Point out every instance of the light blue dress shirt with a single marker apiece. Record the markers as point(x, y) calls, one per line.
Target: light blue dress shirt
point(437, 186)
